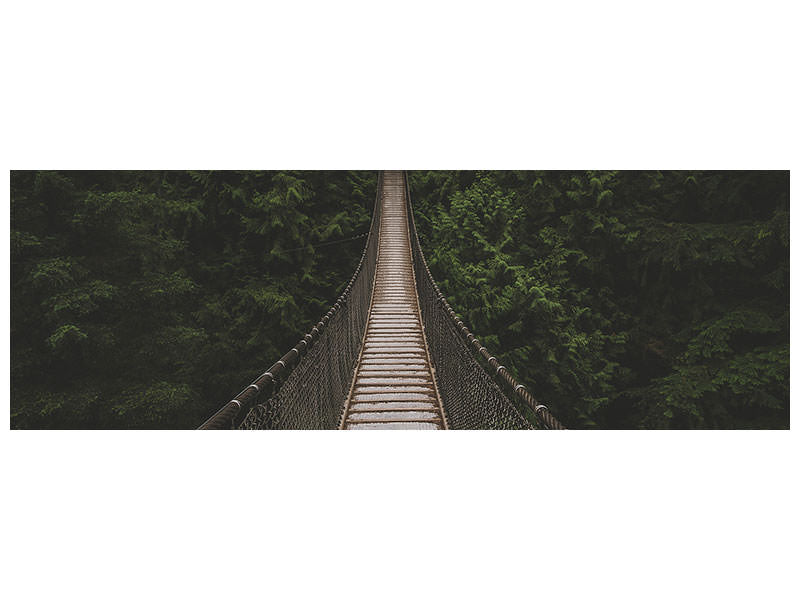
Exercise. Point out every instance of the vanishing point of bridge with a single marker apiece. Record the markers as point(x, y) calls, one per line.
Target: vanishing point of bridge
point(389, 354)
point(393, 387)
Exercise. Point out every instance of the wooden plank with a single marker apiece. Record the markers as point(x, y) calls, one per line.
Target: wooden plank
point(393, 386)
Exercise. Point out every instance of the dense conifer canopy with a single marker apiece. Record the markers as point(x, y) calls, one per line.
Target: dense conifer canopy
point(622, 299)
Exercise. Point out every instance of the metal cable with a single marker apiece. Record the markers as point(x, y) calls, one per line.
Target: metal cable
point(308, 387)
point(471, 392)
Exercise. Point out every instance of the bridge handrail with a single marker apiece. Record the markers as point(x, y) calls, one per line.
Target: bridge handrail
point(499, 373)
point(273, 378)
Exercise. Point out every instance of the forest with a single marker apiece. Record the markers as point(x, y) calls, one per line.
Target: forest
point(623, 299)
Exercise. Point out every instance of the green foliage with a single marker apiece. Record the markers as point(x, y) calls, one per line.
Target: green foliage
point(148, 299)
point(623, 299)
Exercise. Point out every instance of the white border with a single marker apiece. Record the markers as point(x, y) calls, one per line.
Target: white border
point(423, 85)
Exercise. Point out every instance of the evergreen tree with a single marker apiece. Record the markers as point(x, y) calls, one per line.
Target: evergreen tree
point(144, 300)
point(623, 299)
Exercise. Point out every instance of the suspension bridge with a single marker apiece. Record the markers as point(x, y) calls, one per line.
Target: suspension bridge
point(390, 353)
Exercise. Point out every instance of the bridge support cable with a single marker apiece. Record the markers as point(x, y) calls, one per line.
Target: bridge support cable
point(400, 360)
point(470, 380)
point(393, 386)
point(308, 386)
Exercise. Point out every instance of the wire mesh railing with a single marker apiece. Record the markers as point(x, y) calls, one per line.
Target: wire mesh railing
point(471, 392)
point(307, 388)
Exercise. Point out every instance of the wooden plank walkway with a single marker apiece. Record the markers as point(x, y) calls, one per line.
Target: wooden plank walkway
point(393, 386)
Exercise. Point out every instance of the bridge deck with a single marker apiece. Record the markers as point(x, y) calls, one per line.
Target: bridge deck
point(393, 386)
